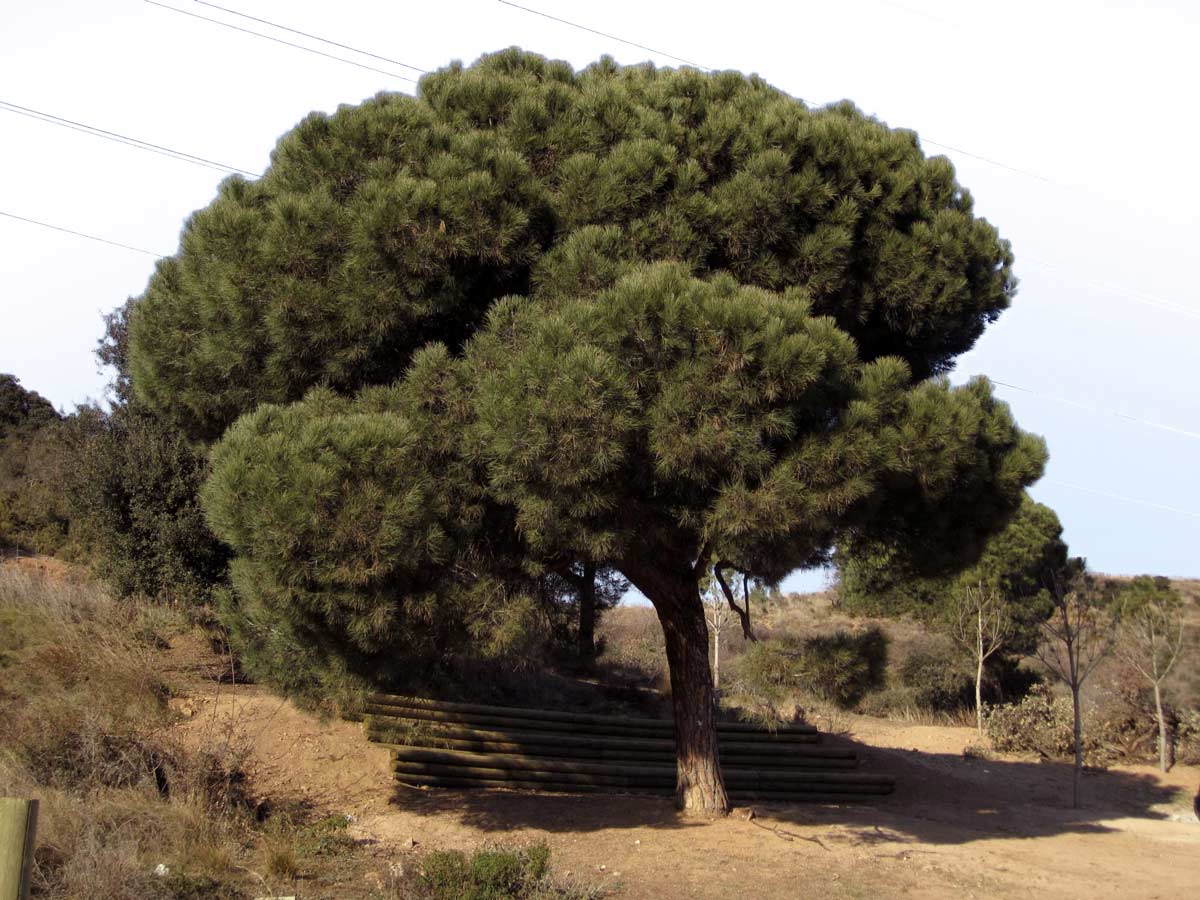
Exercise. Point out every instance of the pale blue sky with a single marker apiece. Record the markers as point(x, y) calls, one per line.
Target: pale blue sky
point(1093, 103)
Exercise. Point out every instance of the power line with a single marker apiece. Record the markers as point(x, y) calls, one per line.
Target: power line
point(90, 237)
point(387, 59)
point(267, 37)
point(613, 37)
point(1123, 498)
point(988, 160)
point(104, 134)
point(1099, 409)
point(1143, 297)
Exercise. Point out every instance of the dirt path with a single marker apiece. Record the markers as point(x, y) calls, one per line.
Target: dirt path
point(956, 827)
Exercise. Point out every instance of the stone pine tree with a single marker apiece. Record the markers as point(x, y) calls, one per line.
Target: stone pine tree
point(534, 317)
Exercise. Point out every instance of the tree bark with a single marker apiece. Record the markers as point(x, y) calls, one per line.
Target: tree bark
point(586, 646)
point(717, 660)
point(1162, 729)
point(1078, 727)
point(979, 697)
point(979, 676)
point(699, 786)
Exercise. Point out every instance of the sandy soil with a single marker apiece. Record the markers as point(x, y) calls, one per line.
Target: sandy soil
point(958, 826)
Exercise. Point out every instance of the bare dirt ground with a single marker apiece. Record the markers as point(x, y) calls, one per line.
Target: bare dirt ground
point(958, 826)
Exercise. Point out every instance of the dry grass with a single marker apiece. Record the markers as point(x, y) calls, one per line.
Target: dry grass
point(87, 731)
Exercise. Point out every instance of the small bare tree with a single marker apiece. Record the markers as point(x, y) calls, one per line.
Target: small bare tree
point(719, 616)
point(1150, 640)
point(982, 624)
point(1076, 637)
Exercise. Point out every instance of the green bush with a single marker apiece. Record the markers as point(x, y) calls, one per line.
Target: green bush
point(134, 497)
point(488, 875)
point(938, 680)
point(35, 460)
point(446, 873)
point(325, 837)
point(1039, 723)
point(499, 873)
point(839, 668)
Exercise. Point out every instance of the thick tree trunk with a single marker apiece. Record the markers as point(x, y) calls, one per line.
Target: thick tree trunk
point(586, 646)
point(699, 786)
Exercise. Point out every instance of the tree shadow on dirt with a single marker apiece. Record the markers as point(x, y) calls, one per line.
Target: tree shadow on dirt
point(940, 798)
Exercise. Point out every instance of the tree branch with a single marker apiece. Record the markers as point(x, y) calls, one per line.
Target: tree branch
point(742, 614)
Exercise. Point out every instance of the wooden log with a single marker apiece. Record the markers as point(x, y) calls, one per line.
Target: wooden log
point(396, 731)
point(632, 757)
point(452, 782)
point(462, 771)
point(509, 762)
point(18, 831)
point(515, 712)
point(380, 713)
point(760, 786)
point(737, 796)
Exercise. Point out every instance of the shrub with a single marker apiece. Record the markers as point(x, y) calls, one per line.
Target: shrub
point(325, 837)
point(493, 874)
point(840, 668)
point(445, 873)
point(1187, 737)
point(1040, 723)
point(134, 497)
point(938, 680)
point(499, 873)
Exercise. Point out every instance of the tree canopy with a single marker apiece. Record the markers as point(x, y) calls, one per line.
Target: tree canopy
point(401, 220)
point(638, 317)
point(878, 578)
point(22, 410)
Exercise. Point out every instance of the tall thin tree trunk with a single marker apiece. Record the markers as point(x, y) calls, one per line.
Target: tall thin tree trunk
point(699, 784)
point(1078, 730)
point(716, 658)
point(979, 675)
point(586, 647)
point(979, 697)
point(1163, 764)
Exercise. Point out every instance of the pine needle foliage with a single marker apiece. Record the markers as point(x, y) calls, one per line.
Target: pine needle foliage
point(401, 220)
point(640, 317)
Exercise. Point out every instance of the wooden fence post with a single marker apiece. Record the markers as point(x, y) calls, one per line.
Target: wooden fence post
point(18, 825)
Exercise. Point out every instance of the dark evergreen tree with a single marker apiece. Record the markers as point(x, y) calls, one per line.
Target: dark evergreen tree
point(131, 491)
point(874, 578)
point(33, 515)
point(623, 317)
point(135, 499)
point(21, 409)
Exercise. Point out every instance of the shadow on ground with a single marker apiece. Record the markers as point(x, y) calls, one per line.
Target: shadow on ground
point(939, 799)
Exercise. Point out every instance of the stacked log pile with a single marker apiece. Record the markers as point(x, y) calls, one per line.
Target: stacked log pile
point(466, 745)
